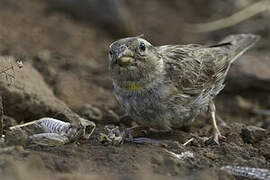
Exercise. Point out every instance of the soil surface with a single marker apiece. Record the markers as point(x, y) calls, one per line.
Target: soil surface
point(65, 75)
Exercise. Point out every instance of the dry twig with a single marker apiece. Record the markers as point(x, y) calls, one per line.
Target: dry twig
point(236, 18)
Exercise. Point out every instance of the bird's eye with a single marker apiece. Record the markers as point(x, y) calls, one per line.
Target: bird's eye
point(142, 46)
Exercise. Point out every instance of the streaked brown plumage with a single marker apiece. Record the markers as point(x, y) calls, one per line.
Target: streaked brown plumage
point(168, 86)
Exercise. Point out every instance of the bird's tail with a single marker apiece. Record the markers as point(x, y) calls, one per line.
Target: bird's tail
point(238, 44)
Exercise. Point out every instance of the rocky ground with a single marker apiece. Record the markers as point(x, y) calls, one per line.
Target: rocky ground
point(64, 47)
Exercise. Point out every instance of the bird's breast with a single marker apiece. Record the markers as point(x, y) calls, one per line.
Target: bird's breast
point(144, 103)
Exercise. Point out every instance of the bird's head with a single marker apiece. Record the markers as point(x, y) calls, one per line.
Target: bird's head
point(134, 63)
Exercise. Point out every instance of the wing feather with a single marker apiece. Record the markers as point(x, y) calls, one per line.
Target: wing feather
point(194, 68)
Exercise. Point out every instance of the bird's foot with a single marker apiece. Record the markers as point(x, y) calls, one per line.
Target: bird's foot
point(216, 138)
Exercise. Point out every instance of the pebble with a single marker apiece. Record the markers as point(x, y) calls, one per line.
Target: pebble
point(252, 134)
point(92, 113)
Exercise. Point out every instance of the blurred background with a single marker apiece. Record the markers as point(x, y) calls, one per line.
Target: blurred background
point(67, 42)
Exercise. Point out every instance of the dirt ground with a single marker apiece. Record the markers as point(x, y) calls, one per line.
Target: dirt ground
point(65, 57)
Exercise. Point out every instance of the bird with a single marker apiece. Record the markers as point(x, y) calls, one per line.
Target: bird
point(166, 87)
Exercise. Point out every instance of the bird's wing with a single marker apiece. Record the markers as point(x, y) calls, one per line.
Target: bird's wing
point(197, 71)
point(195, 68)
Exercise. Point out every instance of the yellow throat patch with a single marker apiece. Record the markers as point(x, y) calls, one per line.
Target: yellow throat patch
point(134, 87)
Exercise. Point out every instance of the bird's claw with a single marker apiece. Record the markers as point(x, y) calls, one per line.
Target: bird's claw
point(213, 139)
point(217, 136)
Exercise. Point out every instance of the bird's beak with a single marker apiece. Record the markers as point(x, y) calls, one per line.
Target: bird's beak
point(126, 58)
point(125, 61)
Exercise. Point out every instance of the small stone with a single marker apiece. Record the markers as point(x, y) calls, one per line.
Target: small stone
point(16, 136)
point(19, 148)
point(157, 159)
point(252, 134)
point(90, 112)
point(211, 155)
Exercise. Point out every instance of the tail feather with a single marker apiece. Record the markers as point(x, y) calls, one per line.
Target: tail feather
point(238, 44)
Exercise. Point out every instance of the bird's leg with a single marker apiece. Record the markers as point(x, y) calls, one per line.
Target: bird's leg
point(217, 135)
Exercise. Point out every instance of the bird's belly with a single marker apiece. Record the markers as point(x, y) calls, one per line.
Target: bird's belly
point(152, 110)
point(147, 110)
